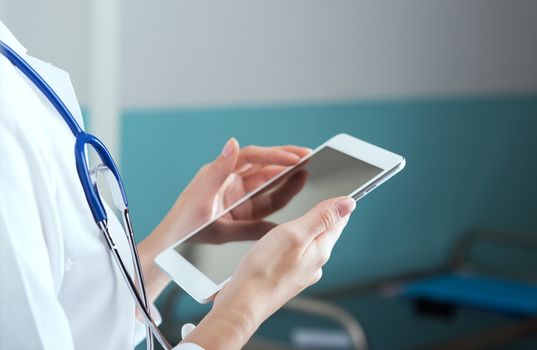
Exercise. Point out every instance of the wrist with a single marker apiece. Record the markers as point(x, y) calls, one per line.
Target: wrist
point(242, 311)
point(226, 326)
point(240, 317)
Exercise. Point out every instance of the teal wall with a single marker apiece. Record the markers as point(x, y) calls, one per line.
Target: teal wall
point(470, 163)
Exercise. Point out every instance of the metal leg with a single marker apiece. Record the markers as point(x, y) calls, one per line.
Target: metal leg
point(332, 312)
point(319, 308)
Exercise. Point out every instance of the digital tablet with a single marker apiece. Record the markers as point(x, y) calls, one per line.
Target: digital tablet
point(344, 165)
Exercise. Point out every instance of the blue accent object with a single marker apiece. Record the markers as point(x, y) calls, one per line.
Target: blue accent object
point(479, 292)
point(82, 138)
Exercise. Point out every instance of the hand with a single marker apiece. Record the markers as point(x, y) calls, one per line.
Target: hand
point(217, 185)
point(227, 179)
point(278, 267)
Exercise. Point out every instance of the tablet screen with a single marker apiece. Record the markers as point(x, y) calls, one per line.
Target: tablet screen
point(328, 173)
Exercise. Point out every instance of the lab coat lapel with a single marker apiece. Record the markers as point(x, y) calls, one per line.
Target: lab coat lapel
point(60, 82)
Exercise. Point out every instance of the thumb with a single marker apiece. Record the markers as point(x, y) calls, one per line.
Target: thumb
point(322, 217)
point(212, 176)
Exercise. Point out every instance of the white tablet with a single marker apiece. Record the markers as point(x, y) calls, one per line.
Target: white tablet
point(344, 165)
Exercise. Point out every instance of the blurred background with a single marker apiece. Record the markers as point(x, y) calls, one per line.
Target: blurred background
point(443, 256)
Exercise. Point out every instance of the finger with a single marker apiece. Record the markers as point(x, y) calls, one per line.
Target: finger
point(326, 241)
point(299, 151)
point(266, 155)
point(322, 218)
point(240, 186)
point(268, 203)
point(234, 191)
point(253, 180)
point(271, 198)
point(212, 176)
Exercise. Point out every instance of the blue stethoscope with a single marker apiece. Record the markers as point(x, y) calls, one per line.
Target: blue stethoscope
point(88, 180)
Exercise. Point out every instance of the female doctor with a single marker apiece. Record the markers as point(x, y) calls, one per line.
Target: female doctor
point(59, 286)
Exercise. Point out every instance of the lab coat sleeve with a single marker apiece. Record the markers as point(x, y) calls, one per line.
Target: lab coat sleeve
point(31, 316)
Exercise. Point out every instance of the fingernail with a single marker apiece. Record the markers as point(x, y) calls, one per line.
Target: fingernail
point(229, 148)
point(345, 206)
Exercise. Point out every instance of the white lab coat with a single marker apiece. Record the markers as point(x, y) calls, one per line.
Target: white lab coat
point(59, 288)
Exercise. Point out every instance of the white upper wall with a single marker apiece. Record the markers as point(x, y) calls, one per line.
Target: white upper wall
point(193, 52)
point(56, 31)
